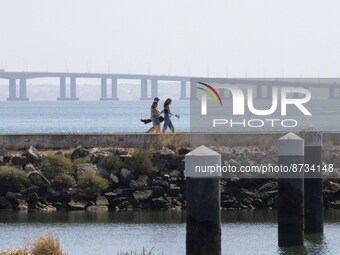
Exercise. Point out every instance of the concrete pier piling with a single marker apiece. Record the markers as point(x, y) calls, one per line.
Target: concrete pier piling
point(313, 180)
point(290, 200)
point(203, 236)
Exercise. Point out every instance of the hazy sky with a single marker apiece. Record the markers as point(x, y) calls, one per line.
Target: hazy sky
point(239, 38)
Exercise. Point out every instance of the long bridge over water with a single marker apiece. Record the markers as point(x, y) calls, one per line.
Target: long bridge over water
point(68, 83)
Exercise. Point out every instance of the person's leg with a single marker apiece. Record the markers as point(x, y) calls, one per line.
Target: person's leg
point(171, 127)
point(150, 129)
point(153, 126)
point(158, 128)
point(166, 123)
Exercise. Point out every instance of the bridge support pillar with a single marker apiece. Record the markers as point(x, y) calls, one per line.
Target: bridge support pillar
point(144, 89)
point(73, 89)
point(184, 90)
point(114, 92)
point(154, 88)
point(23, 90)
point(13, 90)
point(62, 89)
point(334, 93)
point(104, 89)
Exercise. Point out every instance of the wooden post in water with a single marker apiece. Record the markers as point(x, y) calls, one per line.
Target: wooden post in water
point(313, 180)
point(290, 200)
point(203, 197)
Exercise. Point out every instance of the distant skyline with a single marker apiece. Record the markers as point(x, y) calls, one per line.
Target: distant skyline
point(242, 38)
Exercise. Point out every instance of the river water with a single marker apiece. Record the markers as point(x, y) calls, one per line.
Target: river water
point(125, 116)
point(85, 233)
point(83, 116)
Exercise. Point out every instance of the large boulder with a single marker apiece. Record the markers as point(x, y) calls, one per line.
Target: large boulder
point(79, 152)
point(140, 183)
point(29, 168)
point(98, 155)
point(13, 196)
point(165, 153)
point(37, 178)
point(159, 203)
point(32, 154)
point(102, 201)
point(77, 204)
point(52, 195)
point(45, 207)
point(175, 173)
point(183, 150)
point(124, 192)
point(272, 185)
point(159, 182)
point(114, 180)
point(157, 191)
point(142, 195)
point(19, 160)
point(5, 204)
point(125, 176)
point(332, 188)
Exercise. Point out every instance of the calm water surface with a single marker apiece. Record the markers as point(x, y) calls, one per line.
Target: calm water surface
point(243, 232)
point(124, 116)
point(83, 116)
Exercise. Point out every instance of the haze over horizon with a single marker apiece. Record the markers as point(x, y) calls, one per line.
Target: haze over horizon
point(199, 38)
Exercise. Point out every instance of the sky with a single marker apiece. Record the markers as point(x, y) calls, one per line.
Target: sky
point(240, 38)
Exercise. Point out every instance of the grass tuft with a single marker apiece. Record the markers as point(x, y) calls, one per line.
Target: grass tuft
point(12, 179)
point(92, 184)
point(56, 165)
point(46, 245)
point(142, 164)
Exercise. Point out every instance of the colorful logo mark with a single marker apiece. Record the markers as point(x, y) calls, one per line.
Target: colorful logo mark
point(211, 92)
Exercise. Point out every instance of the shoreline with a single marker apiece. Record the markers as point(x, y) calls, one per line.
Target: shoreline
point(123, 179)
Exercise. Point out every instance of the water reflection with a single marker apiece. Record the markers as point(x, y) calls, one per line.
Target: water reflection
point(292, 250)
point(133, 217)
point(316, 244)
point(84, 217)
point(102, 233)
point(175, 216)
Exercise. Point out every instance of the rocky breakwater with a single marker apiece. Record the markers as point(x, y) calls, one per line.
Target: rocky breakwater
point(100, 179)
point(92, 179)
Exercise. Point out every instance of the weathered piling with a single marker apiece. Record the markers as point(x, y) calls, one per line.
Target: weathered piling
point(290, 200)
point(203, 236)
point(313, 180)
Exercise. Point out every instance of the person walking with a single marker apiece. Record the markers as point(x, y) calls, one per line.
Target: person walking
point(167, 114)
point(154, 115)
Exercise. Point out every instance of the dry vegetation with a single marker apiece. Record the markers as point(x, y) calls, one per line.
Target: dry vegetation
point(176, 140)
point(44, 245)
